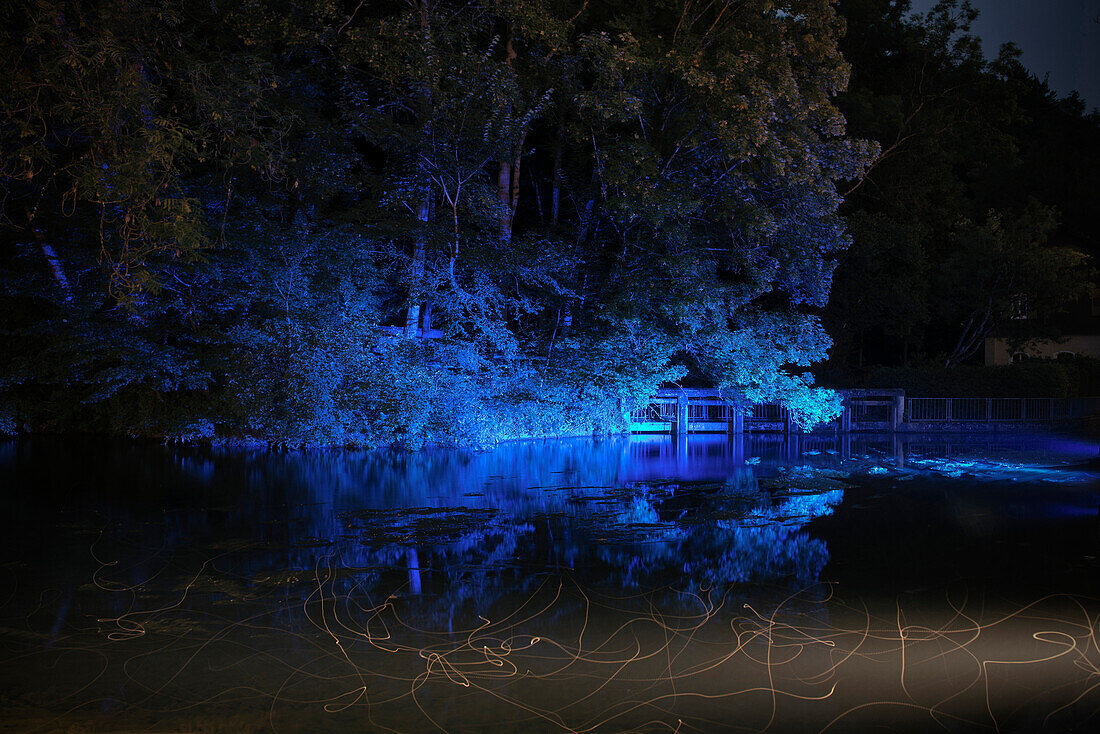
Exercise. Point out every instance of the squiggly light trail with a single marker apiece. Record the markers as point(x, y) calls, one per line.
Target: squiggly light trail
point(566, 659)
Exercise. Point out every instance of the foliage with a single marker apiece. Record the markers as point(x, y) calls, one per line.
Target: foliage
point(1001, 270)
point(106, 107)
point(976, 200)
point(317, 223)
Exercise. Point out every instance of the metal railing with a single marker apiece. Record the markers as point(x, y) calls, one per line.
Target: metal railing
point(978, 410)
point(865, 410)
point(768, 412)
point(658, 411)
point(871, 412)
point(709, 410)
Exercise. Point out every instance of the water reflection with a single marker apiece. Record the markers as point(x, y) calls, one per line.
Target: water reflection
point(464, 526)
point(567, 585)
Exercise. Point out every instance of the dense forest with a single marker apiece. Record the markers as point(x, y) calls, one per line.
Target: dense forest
point(319, 222)
point(979, 206)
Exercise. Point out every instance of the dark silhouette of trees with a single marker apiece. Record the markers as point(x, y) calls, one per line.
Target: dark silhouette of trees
point(976, 201)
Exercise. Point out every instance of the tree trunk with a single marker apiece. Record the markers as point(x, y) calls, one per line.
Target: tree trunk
point(508, 174)
point(423, 209)
point(583, 227)
point(555, 190)
point(973, 336)
point(425, 319)
point(508, 190)
point(416, 270)
point(504, 199)
point(58, 270)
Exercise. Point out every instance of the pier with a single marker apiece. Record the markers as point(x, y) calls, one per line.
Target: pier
point(681, 411)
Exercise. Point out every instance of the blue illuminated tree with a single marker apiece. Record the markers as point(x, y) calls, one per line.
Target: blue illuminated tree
point(583, 200)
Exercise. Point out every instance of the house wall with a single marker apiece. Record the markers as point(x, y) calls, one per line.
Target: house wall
point(998, 352)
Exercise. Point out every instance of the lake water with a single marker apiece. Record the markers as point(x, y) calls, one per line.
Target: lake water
point(566, 586)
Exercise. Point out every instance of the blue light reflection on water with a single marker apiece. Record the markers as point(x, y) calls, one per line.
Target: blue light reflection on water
point(698, 512)
point(108, 532)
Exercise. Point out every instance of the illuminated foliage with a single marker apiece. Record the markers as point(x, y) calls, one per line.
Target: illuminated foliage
point(286, 199)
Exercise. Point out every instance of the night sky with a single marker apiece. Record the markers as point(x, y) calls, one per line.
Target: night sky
point(1059, 37)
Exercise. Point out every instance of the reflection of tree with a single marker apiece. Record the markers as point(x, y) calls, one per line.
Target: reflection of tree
point(686, 535)
point(744, 534)
point(447, 531)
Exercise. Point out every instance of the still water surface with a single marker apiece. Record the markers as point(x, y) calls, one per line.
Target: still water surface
point(566, 586)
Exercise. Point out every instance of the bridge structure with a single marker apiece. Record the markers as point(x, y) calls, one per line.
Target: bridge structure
point(681, 411)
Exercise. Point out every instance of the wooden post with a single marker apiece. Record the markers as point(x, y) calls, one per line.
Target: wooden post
point(681, 414)
point(737, 418)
